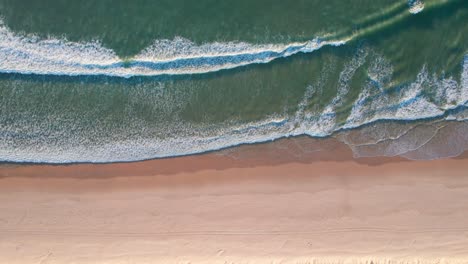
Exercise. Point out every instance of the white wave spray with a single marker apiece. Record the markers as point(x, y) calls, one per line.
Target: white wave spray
point(415, 6)
point(373, 104)
point(52, 56)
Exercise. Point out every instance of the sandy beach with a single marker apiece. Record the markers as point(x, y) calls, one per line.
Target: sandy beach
point(295, 200)
point(234, 132)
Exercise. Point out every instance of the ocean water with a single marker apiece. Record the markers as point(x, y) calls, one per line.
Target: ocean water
point(108, 81)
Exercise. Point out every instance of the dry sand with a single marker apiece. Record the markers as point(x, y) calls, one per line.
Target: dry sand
point(270, 203)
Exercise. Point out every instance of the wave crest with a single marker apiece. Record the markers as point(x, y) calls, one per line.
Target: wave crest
point(32, 55)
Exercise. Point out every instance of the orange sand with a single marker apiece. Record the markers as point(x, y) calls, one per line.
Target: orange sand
point(253, 204)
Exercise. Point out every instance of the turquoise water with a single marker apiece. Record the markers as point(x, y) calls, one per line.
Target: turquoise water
point(105, 81)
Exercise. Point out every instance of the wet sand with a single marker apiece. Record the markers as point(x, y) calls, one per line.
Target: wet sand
point(291, 201)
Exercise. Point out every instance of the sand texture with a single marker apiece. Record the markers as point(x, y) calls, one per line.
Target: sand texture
point(253, 204)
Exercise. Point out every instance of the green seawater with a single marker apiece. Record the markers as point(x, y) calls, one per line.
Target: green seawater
point(388, 52)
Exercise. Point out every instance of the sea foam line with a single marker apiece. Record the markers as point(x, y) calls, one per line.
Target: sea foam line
point(32, 55)
point(410, 106)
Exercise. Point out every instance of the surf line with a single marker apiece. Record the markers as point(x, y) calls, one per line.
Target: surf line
point(21, 54)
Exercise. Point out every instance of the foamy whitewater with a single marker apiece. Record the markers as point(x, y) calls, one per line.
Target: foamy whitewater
point(415, 6)
point(372, 105)
point(32, 55)
point(25, 54)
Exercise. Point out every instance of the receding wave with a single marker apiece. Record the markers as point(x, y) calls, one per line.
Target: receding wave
point(364, 118)
point(38, 142)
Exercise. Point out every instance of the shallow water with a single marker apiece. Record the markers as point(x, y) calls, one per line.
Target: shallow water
point(97, 81)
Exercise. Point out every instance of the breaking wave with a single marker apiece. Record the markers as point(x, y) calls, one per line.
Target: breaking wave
point(52, 56)
point(364, 127)
point(30, 54)
point(408, 103)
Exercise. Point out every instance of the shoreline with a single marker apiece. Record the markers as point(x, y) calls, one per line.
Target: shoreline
point(234, 132)
point(252, 204)
point(242, 156)
point(290, 201)
point(340, 134)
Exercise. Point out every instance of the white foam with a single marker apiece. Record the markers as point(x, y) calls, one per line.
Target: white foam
point(373, 104)
point(32, 55)
point(464, 82)
point(379, 73)
point(411, 103)
point(415, 6)
point(346, 75)
point(311, 90)
point(325, 123)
